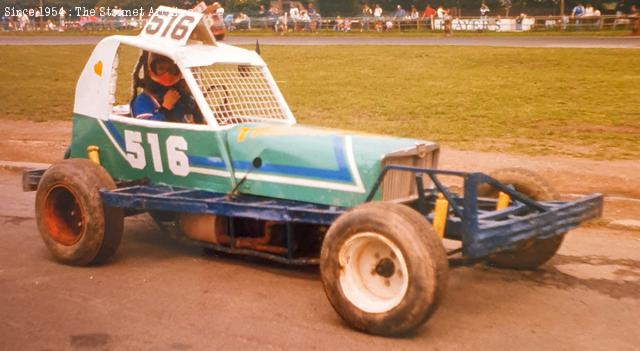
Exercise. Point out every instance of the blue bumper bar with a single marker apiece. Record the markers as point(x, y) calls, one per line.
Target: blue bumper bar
point(499, 235)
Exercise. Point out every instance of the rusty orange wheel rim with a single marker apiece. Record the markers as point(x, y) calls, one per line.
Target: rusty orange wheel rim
point(63, 216)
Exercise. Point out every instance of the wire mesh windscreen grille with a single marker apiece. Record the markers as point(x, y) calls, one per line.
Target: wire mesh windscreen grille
point(238, 94)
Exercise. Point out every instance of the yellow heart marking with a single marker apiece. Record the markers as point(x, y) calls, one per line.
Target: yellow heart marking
point(98, 68)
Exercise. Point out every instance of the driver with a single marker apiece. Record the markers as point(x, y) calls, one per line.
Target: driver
point(161, 98)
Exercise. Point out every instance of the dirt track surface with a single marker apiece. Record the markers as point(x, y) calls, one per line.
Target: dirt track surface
point(514, 41)
point(161, 294)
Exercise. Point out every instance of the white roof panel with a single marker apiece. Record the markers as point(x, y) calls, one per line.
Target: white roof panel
point(194, 54)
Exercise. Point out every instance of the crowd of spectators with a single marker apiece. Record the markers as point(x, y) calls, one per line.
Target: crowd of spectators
point(298, 18)
point(31, 19)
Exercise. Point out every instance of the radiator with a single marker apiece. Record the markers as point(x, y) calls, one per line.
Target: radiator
point(399, 185)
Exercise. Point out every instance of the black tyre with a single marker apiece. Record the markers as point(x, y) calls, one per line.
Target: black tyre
point(534, 253)
point(74, 224)
point(383, 268)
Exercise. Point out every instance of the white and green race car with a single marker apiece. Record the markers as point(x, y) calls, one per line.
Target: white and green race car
point(247, 179)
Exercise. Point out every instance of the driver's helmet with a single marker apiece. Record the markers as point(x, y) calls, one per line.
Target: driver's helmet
point(163, 70)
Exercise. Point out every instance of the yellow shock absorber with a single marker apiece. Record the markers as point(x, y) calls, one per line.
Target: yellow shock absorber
point(440, 215)
point(503, 201)
point(94, 153)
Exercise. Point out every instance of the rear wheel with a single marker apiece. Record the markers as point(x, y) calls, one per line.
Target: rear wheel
point(73, 222)
point(383, 268)
point(534, 253)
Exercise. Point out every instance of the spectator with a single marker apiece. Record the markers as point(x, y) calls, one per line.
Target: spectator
point(228, 22)
point(428, 14)
point(262, 16)
point(305, 20)
point(339, 25)
point(377, 14)
point(588, 11)
point(347, 25)
point(294, 11)
point(484, 10)
point(273, 11)
point(217, 27)
point(314, 16)
point(294, 16)
point(119, 14)
point(272, 17)
point(635, 20)
point(414, 13)
point(281, 24)
point(62, 14)
point(620, 8)
point(38, 19)
point(312, 10)
point(519, 21)
point(388, 25)
point(400, 13)
point(367, 12)
point(577, 11)
point(24, 22)
point(242, 21)
point(448, 23)
point(440, 12)
point(31, 22)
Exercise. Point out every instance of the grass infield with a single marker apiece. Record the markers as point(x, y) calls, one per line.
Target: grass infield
point(578, 102)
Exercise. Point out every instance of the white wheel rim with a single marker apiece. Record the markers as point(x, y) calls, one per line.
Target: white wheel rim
point(374, 275)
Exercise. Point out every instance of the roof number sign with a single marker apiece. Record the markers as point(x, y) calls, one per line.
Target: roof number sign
point(172, 24)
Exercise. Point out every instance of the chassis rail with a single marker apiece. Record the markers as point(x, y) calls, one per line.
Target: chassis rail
point(470, 219)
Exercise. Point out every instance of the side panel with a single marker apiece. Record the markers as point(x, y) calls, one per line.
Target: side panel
point(323, 166)
point(171, 156)
point(315, 165)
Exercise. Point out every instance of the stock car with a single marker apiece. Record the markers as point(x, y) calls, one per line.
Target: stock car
point(372, 211)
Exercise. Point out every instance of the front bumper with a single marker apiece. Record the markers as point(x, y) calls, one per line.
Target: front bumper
point(496, 234)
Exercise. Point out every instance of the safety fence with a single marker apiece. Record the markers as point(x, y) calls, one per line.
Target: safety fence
point(285, 24)
point(388, 24)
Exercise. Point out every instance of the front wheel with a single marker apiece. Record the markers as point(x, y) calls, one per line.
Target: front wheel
point(383, 268)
